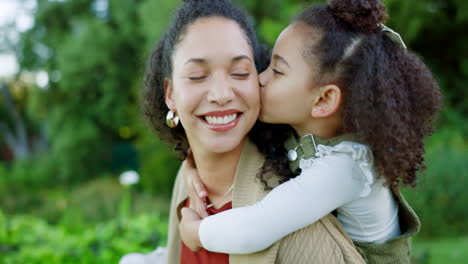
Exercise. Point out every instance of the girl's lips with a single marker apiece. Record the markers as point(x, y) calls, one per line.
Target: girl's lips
point(221, 127)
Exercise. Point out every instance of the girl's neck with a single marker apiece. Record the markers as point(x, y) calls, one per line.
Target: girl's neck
point(324, 128)
point(217, 170)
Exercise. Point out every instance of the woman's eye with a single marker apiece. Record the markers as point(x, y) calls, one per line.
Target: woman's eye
point(276, 71)
point(197, 78)
point(241, 75)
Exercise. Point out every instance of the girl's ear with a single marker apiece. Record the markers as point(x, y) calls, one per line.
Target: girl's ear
point(328, 101)
point(168, 95)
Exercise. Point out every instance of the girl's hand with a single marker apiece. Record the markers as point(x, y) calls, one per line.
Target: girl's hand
point(195, 187)
point(188, 228)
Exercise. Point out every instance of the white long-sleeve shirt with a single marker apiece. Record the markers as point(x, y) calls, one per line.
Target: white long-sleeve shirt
point(341, 177)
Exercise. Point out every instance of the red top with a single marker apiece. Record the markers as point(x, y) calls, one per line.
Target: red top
point(203, 256)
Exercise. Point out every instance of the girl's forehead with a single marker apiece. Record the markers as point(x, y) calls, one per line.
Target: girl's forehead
point(290, 43)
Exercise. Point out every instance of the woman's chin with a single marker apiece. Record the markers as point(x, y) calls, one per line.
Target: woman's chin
point(224, 145)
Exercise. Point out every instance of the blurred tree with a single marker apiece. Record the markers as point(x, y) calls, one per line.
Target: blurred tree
point(271, 17)
point(20, 135)
point(85, 101)
point(90, 51)
point(94, 53)
point(436, 30)
point(14, 135)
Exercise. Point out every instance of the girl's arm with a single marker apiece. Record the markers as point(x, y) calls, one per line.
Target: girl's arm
point(194, 185)
point(326, 185)
point(188, 228)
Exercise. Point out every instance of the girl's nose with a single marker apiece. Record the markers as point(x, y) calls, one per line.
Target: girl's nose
point(264, 77)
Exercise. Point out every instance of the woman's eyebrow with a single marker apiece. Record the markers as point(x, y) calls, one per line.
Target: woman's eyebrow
point(204, 61)
point(240, 57)
point(278, 57)
point(196, 61)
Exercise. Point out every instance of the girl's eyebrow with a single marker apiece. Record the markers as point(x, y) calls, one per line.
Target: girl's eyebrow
point(278, 57)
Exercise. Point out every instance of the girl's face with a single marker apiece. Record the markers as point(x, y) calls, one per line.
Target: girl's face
point(214, 86)
point(287, 85)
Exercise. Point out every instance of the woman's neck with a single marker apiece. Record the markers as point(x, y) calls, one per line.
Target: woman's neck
point(217, 170)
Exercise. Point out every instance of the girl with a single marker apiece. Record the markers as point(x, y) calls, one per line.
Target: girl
point(361, 105)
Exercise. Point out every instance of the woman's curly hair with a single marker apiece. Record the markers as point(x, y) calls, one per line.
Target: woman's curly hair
point(390, 97)
point(159, 67)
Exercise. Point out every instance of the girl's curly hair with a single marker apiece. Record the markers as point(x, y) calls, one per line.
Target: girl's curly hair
point(390, 96)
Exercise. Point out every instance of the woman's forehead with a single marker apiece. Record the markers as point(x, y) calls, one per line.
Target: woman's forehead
point(213, 38)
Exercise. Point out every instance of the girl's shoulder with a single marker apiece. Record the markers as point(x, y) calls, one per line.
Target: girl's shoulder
point(349, 150)
point(352, 158)
point(358, 151)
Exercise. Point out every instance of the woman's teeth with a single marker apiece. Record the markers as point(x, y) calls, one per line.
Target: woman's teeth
point(220, 120)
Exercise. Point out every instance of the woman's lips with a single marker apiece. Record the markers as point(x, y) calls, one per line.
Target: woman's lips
point(221, 121)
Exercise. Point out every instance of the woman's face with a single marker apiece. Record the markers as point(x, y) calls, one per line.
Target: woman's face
point(287, 85)
point(214, 86)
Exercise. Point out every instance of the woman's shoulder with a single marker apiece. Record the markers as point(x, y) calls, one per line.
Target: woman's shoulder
point(335, 245)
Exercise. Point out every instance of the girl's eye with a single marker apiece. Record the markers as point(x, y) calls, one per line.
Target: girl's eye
point(197, 78)
point(276, 72)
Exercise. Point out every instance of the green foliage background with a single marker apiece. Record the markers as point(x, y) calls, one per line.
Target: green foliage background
point(95, 60)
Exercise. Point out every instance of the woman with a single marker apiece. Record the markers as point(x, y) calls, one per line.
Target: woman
point(204, 72)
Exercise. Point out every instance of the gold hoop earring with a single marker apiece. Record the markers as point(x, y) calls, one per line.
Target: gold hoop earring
point(172, 119)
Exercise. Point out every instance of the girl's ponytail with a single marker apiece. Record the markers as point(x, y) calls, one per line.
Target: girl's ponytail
point(362, 15)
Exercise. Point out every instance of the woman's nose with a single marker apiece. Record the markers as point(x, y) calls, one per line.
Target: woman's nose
point(221, 91)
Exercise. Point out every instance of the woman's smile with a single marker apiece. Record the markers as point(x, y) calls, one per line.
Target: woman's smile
point(221, 121)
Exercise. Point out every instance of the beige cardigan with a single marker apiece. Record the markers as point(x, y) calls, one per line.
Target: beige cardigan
point(322, 242)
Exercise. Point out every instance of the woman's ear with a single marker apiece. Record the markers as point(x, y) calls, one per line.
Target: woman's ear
point(328, 101)
point(168, 95)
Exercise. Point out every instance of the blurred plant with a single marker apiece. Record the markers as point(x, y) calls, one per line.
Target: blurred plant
point(27, 239)
point(127, 179)
point(158, 165)
point(440, 196)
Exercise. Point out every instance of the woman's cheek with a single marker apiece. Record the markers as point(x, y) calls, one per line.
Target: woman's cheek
point(252, 91)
